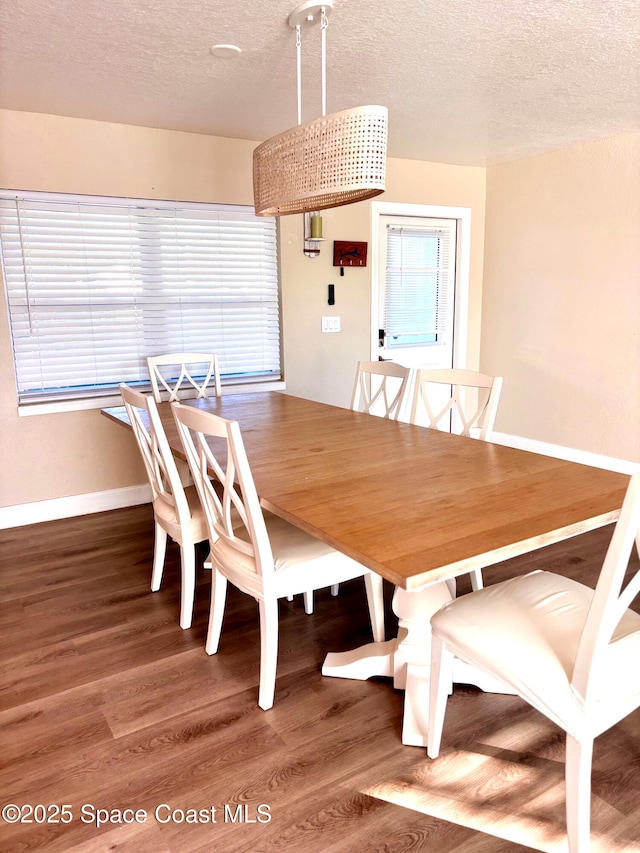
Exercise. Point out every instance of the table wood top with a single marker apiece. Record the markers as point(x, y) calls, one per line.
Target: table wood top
point(411, 503)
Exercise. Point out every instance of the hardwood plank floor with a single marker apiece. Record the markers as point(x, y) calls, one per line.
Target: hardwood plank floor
point(106, 702)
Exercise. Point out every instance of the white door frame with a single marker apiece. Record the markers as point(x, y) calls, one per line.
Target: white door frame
point(463, 256)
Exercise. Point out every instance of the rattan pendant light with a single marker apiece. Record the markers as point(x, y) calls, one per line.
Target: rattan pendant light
point(333, 160)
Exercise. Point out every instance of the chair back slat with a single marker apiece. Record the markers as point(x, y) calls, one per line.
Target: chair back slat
point(197, 371)
point(472, 399)
point(157, 457)
point(214, 446)
point(610, 600)
point(380, 388)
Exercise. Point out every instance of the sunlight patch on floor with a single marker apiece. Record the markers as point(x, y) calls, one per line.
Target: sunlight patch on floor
point(519, 802)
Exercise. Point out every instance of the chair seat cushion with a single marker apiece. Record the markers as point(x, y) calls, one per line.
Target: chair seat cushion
point(313, 563)
point(525, 631)
point(196, 528)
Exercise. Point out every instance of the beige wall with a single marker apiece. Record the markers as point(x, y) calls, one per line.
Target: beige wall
point(561, 296)
point(49, 456)
point(322, 366)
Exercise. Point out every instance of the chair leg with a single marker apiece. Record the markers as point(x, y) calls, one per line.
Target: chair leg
point(335, 589)
point(578, 792)
point(308, 602)
point(159, 553)
point(476, 579)
point(216, 611)
point(268, 651)
point(375, 600)
point(439, 687)
point(188, 584)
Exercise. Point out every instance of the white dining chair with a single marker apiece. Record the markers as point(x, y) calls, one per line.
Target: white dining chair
point(380, 388)
point(176, 508)
point(455, 400)
point(460, 401)
point(568, 651)
point(179, 374)
point(265, 556)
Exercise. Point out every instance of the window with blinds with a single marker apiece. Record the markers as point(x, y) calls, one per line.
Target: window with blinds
point(94, 285)
point(420, 271)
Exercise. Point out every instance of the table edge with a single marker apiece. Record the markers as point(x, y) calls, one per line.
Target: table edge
point(507, 552)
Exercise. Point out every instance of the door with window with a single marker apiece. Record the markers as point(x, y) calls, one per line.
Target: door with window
point(416, 290)
point(420, 285)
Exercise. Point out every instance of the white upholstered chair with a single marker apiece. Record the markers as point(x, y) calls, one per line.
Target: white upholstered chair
point(467, 397)
point(176, 508)
point(461, 401)
point(176, 372)
point(380, 388)
point(266, 557)
point(570, 652)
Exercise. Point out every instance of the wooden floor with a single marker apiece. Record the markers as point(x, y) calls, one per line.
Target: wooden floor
point(107, 704)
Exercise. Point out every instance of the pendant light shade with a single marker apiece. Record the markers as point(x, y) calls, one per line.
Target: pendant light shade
point(333, 160)
point(330, 161)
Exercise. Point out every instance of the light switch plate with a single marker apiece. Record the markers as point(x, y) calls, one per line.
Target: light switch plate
point(331, 324)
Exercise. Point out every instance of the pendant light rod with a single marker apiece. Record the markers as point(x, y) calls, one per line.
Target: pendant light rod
point(324, 23)
point(299, 71)
point(308, 13)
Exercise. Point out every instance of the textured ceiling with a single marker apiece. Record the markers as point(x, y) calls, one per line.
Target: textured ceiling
point(466, 81)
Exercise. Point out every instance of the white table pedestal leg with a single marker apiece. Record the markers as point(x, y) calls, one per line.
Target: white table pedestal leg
point(407, 659)
point(412, 661)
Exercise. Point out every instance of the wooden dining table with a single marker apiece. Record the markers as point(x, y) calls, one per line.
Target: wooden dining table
point(415, 505)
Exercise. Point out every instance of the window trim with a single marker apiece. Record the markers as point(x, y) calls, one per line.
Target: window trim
point(26, 410)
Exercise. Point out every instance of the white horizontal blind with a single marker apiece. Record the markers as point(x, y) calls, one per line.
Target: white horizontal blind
point(420, 275)
point(94, 285)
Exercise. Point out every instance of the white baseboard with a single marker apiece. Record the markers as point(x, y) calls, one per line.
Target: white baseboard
point(570, 454)
point(32, 513)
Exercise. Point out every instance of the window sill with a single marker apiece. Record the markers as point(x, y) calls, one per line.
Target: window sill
point(116, 400)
